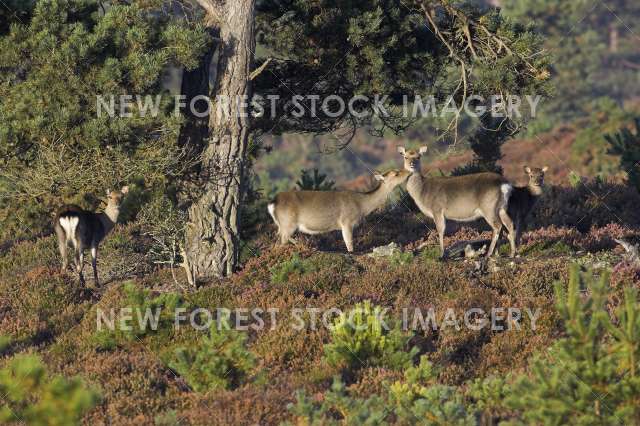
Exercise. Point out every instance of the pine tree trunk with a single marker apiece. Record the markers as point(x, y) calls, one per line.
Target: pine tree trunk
point(212, 234)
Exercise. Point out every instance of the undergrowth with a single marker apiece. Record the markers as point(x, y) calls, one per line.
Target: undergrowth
point(219, 361)
point(364, 337)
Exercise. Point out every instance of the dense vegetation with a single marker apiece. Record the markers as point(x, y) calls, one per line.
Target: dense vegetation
point(580, 362)
point(119, 354)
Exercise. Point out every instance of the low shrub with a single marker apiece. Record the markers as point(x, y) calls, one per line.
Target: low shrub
point(5, 343)
point(31, 396)
point(40, 304)
point(219, 361)
point(416, 399)
point(338, 408)
point(592, 376)
point(149, 315)
point(361, 338)
point(419, 397)
point(593, 203)
point(550, 248)
point(431, 253)
point(295, 265)
point(400, 258)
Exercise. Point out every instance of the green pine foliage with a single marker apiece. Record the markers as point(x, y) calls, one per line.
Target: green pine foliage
point(219, 361)
point(295, 265)
point(315, 182)
point(31, 396)
point(626, 144)
point(419, 398)
point(57, 143)
point(588, 377)
point(486, 144)
point(591, 375)
point(149, 314)
point(369, 47)
point(339, 408)
point(416, 399)
point(364, 336)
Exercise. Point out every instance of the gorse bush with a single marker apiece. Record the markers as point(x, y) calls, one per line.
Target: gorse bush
point(31, 396)
point(149, 315)
point(592, 375)
point(315, 182)
point(361, 337)
point(219, 361)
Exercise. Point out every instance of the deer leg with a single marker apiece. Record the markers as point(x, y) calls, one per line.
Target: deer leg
point(497, 227)
point(518, 232)
point(347, 236)
point(286, 233)
point(62, 246)
point(79, 260)
point(94, 260)
point(441, 226)
point(508, 223)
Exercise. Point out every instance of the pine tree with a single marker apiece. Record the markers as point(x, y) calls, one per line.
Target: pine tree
point(57, 56)
point(591, 375)
point(626, 144)
point(57, 140)
point(30, 395)
point(397, 50)
point(486, 144)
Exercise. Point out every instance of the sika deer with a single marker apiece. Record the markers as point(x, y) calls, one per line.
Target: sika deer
point(316, 212)
point(523, 198)
point(85, 229)
point(460, 198)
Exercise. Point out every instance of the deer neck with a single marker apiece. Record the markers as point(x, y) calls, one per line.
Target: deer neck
point(109, 217)
point(415, 183)
point(374, 199)
point(535, 190)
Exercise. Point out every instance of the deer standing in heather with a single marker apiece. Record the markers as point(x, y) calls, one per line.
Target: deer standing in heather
point(85, 229)
point(460, 198)
point(316, 212)
point(523, 199)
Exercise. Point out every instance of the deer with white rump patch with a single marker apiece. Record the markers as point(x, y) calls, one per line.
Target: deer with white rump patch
point(460, 198)
point(85, 229)
point(317, 212)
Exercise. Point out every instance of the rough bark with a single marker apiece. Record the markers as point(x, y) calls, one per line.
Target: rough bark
point(212, 234)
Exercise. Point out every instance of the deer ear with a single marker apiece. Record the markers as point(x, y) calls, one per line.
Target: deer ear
point(379, 177)
point(401, 149)
point(124, 189)
point(527, 170)
point(544, 169)
point(423, 149)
